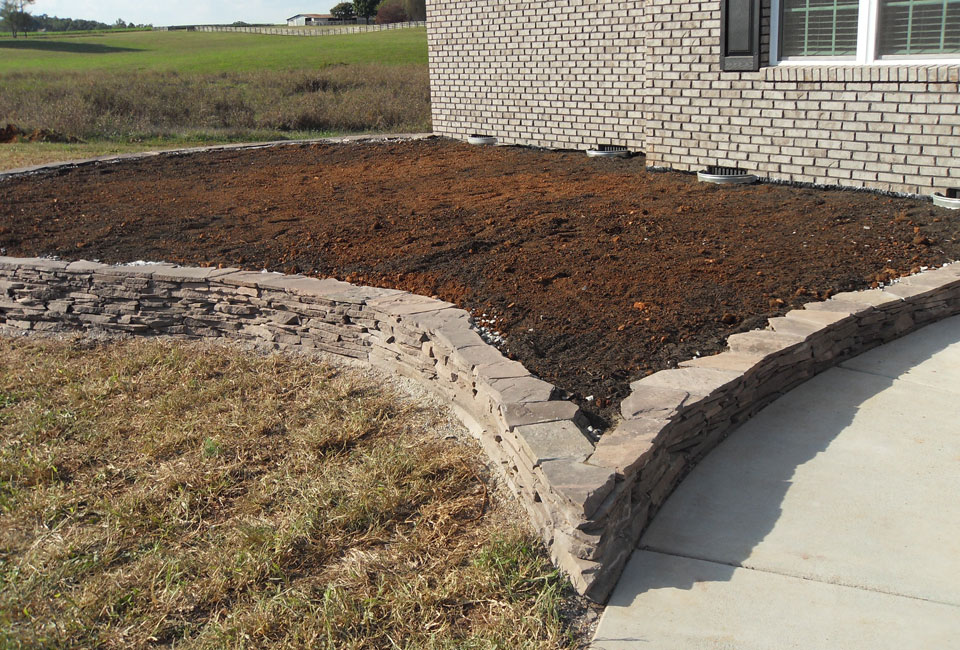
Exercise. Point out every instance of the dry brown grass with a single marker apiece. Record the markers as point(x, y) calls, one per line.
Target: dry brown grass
point(157, 493)
point(126, 105)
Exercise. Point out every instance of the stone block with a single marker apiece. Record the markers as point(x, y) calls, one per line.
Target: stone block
point(820, 319)
point(300, 285)
point(876, 298)
point(7, 287)
point(430, 321)
point(552, 441)
point(676, 466)
point(516, 390)
point(629, 446)
point(455, 336)
point(843, 307)
point(35, 263)
point(357, 296)
point(763, 342)
point(189, 273)
point(724, 361)
point(582, 573)
point(698, 382)
point(471, 357)
point(247, 279)
point(502, 369)
point(907, 290)
point(19, 324)
point(406, 304)
point(796, 327)
point(516, 414)
point(653, 401)
point(583, 487)
point(83, 266)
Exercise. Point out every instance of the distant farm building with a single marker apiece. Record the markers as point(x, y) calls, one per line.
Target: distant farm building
point(301, 20)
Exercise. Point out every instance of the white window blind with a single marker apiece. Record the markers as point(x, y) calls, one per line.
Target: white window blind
point(908, 27)
point(819, 28)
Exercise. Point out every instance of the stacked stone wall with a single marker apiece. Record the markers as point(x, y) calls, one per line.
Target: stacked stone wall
point(529, 436)
point(590, 501)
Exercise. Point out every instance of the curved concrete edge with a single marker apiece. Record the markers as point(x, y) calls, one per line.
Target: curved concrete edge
point(673, 418)
point(140, 155)
point(537, 442)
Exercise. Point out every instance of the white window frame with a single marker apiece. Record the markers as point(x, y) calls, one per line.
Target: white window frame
point(866, 43)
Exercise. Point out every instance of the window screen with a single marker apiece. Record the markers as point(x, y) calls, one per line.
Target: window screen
point(919, 27)
point(819, 28)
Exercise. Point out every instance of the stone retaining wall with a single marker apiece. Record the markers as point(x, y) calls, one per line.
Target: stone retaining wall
point(533, 439)
point(672, 418)
point(590, 503)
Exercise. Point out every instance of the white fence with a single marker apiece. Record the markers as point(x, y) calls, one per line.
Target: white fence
point(295, 31)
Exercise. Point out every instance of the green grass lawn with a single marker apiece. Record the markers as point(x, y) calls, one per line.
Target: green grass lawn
point(134, 91)
point(203, 52)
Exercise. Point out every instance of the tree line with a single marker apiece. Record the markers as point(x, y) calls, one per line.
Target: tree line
point(15, 18)
point(385, 11)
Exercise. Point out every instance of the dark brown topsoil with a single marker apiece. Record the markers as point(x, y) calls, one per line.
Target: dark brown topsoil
point(596, 272)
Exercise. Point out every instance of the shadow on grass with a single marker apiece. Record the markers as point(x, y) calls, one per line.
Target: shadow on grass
point(61, 46)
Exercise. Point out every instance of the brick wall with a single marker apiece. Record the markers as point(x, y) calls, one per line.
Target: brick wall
point(880, 127)
point(557, 73)
point(646, 75)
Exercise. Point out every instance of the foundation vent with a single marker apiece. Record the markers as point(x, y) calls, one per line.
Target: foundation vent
point(726, 175)
point(478, 138)
point(608, 151)
point(950, 199)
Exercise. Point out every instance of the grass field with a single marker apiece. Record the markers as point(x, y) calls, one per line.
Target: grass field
point(202, 52)
point(143, 90)
point(156, 493)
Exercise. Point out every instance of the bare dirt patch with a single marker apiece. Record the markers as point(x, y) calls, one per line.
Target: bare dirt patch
point(597, 272)
point(12, 133)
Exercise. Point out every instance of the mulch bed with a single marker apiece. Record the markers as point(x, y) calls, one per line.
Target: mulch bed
point(596, 272)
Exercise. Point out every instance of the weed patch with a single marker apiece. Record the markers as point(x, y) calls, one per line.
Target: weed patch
point(125, 106)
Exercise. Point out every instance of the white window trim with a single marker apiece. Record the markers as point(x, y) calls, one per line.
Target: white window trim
point(866, 44)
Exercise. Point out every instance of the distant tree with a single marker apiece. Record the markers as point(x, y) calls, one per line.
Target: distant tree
point(54, 24)
point(15, 16)
point(415, 9)
point(390, 11)
point(120, 23)
point(365, 8)
point(343, 11)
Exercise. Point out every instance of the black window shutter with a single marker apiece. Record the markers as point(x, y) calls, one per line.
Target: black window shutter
point(739, 35)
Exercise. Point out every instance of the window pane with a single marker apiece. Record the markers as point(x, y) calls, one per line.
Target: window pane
point(819, 28)
point(919, 27)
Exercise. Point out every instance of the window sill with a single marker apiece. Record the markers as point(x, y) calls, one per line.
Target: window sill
point(888, 72)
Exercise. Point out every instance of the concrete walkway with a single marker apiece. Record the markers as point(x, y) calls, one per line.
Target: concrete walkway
point(830, 520)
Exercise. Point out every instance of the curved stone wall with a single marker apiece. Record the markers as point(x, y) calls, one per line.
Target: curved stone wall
point(536, 441)
point(590, 502)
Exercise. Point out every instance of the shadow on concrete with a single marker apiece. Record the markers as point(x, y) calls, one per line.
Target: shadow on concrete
point(61, 46)
point(749, 508)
